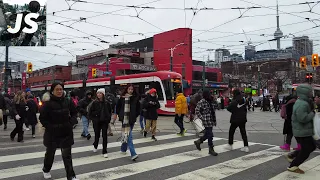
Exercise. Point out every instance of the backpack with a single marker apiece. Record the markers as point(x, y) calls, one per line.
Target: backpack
point(283, 111)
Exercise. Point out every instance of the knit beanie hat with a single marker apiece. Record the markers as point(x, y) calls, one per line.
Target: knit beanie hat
point(103, 91)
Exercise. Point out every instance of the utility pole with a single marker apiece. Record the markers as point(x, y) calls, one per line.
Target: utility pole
point(7, 70)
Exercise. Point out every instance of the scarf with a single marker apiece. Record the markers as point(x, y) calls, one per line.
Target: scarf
point(126, 119)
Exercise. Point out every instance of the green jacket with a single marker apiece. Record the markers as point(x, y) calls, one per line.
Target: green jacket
point(302, 116)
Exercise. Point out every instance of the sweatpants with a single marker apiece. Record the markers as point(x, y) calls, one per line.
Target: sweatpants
point(232, 130)
point(307, 147)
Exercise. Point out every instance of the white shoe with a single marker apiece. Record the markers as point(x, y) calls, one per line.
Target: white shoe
point(105, 155)
point(95, 150)
point(134, 157)
point(229, 147)
point(27, 129)
point(47, 175)
point(33, 136)
point(74, 178)
point(245, 149)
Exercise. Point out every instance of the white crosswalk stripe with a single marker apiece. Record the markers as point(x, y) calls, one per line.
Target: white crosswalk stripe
point(172, 157)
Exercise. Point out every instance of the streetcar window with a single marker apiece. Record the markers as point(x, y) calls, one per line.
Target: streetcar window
point(171, 87)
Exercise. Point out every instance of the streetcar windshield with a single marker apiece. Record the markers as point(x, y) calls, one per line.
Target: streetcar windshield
point(171, 87)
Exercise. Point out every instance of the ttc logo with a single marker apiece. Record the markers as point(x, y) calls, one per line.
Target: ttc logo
point(27, 21)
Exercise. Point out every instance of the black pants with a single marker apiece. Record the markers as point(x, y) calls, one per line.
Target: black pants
point(207, 135)
point(97, 127)
point(33, 128)
point(289, 137)
point(18, 130)
point(5, 119)
point(307, 147)
point(66, 157)
point(232, 130)
point(179, 122)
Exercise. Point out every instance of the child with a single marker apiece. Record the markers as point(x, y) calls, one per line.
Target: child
point(32, 110)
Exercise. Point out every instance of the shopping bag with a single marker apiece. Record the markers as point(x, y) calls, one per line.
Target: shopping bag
point(198, 125)
point(316, 126)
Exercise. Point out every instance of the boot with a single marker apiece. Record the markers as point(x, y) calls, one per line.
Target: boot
point(285, 147)
point(212, 152)
point(298, 148)
point(198, 143)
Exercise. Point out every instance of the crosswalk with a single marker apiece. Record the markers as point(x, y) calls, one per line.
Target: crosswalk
point(171, 157)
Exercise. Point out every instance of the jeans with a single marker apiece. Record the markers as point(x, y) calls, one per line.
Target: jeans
point(124, 146)
point(307, 147)
point(207, 135)
point(179, 121)
point(98, 126)
point(142, 121)
point(85, 123)
point(18, 130)
point(67, 161)
point(232, 130)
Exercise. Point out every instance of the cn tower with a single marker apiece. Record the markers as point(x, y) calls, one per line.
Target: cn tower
point(278, 34)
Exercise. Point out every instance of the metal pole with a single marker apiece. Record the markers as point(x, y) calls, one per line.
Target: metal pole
point(203, 75)
point(6, 76)
point(259, 81)
point(171, 59)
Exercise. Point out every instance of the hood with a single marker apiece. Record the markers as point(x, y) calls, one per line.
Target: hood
point(303, 92)
point(46, 97)
point(89, 92)
point(180, 94)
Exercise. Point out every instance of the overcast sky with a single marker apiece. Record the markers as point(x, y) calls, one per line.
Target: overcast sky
point(218, 26)
point(42, 2)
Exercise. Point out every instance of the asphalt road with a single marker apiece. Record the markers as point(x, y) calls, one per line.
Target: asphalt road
point(171, 157)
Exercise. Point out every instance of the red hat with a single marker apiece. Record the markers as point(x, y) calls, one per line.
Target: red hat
point(153, 90)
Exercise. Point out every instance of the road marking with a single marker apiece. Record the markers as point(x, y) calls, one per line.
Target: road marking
point(231, 167)
point(135, 168)
point(25, 156)
point(311, 168)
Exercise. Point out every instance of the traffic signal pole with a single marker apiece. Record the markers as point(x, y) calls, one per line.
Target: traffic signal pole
point(6, 66)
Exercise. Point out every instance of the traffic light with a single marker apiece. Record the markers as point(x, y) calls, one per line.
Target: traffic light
point(309, 77)
point(315, 60)
point(303, 62)
point(94, 72)
point(29, 67)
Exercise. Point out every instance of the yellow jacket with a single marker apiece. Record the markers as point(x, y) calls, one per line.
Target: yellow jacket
point(181, 104)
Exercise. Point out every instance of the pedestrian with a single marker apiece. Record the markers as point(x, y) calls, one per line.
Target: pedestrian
point(238, 119)
point(111, 99)
point(151, 105)
point(302, 128)
point(193, 104)
point(181, 109)
point(58, 115)
point(142, 118)
point(128, 109)
point(82, 109)
point(7, 109)
point(32, 110)
point(100, 114)
point(287, 126)
point(206, 112)
point(19, 114)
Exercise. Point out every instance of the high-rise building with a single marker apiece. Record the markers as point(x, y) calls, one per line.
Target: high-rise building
point(221, 55)
point(250, 52)
point(303, 46)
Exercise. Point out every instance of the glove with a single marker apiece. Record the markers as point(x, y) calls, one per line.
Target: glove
point(17, 117)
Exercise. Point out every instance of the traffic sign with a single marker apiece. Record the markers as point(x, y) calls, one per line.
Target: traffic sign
point(107, 72)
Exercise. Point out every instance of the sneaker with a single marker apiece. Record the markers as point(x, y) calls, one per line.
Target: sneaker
point(88, 137)
point(105, 155)
point(145, 134)
point(110, 134)
point(154, 138)
point(289, 159)
point(295, 169)
point(133, 158)
point(33, 136)
point(179, 134)
point(245, 149)
point(229, 147)
point(183, 132)
point(5, 127)
point(47, 175)
point(95, 149)
point(27, 129)
point(74, 178)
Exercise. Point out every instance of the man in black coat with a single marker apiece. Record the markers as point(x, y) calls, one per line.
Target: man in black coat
point(82, 109)
point(3, 107)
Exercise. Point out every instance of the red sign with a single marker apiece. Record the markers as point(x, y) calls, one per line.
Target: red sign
point(24, 80)
point(125, 52)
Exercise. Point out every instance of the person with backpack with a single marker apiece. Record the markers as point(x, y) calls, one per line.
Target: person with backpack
point(286, 114)
point(82, 109)
point(58, 115)
point(238, 118)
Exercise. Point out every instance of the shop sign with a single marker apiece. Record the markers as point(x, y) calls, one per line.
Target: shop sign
point(142, 67)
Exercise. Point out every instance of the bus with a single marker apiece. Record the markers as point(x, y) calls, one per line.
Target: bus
point(315, 87)
point(165, 82)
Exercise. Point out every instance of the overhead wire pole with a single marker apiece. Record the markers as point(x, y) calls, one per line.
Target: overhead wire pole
point(7, 70)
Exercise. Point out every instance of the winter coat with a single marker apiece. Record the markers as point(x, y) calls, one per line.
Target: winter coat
point(181, 104)
point(32, 112)
point(206, 113)
point(82, 105)
point(151, 104)
point(58, 115)
point(302, 116)
point(9, 105)
point(134, 109)
point(111, 99)
point(287, 127)
point(238, 110)
point(19, 109)
point(100, 111)
point(2, 102)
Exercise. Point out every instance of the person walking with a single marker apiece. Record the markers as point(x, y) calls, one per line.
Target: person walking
point(151, 105)
point(181, 109)
point(100, 114)
point(287, 126)
point(238, 119)
point(142, 119)
point(32, 110)
point(58, 115)
point(7, 108)
point(111, 99)
point(82, 109)
point(19, 114)
point(302, 128)
point(206, 112)
point(128, 109)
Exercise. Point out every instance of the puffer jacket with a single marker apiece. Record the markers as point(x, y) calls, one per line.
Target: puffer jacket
point(302, 116)
point(181, 104)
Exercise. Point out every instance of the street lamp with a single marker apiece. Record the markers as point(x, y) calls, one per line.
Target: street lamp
point(171, 54)
point(204, 74)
